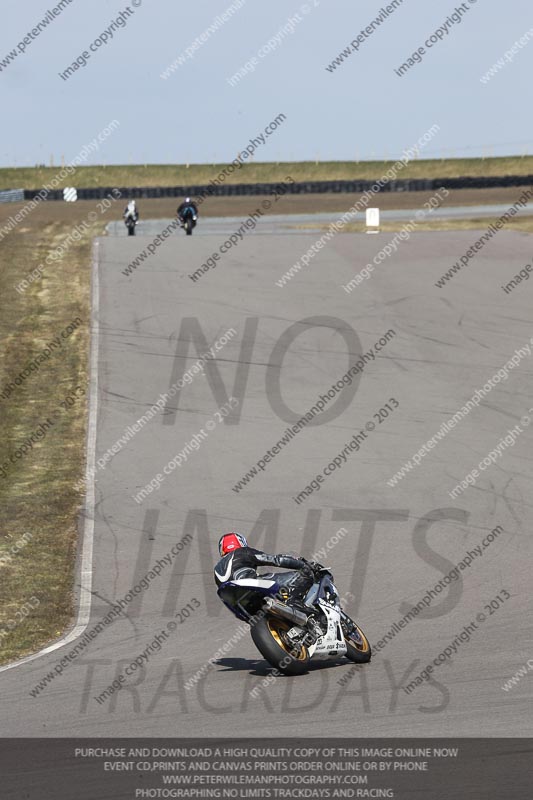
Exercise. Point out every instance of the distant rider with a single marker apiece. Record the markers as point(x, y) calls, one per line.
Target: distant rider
point(187, 203)
point(238, 560)
point(131, 211)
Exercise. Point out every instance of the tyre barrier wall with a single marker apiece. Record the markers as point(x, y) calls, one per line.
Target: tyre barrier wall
point(12, 196)
point(307, 187)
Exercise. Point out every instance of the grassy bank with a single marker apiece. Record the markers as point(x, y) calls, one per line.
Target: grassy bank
point(42, 437)
point(180, 174)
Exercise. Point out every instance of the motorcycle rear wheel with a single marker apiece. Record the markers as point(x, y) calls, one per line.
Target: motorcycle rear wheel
point(267, 635)
point(358, 646)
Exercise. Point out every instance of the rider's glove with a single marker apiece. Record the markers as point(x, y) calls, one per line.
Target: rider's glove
point(307, 569)
point(315, 566)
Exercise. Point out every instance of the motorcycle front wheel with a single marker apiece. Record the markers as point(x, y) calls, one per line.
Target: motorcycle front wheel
point(188, 227)
point(358, 646)
point(269, 636)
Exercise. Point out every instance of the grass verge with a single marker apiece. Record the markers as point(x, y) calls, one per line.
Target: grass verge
point(524, 224)
point(39, 503)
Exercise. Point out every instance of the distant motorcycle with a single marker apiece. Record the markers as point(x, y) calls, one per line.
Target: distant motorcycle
point(284, 635)
point(188, 220)
point(130, 223)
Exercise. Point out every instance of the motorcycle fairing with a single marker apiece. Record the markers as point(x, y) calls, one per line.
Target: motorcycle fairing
point(332, 644)
point(324, 595)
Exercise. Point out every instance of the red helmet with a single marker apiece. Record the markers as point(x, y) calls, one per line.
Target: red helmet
point(231, 541)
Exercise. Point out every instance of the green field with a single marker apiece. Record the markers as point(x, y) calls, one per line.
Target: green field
point(181, 174)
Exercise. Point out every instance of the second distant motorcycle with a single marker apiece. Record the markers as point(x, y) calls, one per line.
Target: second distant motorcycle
point(188, 215)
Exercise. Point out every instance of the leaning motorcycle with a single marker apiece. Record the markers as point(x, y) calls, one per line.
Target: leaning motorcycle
point(188, 220)
point(130, 223)
point(286, 636)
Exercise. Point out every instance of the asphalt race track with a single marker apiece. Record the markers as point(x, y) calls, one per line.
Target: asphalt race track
point(291, 345)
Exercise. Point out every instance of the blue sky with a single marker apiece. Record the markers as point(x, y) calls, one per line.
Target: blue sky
point(361, 110)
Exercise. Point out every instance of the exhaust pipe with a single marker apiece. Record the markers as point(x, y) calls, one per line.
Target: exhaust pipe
point(290, 614)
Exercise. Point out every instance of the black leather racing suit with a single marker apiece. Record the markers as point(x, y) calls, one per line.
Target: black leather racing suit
point(183, 206)
point(243, 563)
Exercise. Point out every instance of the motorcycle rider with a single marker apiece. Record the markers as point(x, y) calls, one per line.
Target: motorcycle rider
point(187, 203)
point(131, 211)
point(239, 560)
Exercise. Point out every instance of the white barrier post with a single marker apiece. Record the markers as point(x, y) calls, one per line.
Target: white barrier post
point(70, 194)
point(372, 220)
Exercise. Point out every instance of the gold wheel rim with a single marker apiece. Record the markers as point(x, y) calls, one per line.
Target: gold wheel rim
point(273, 627)
point(365, 647)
